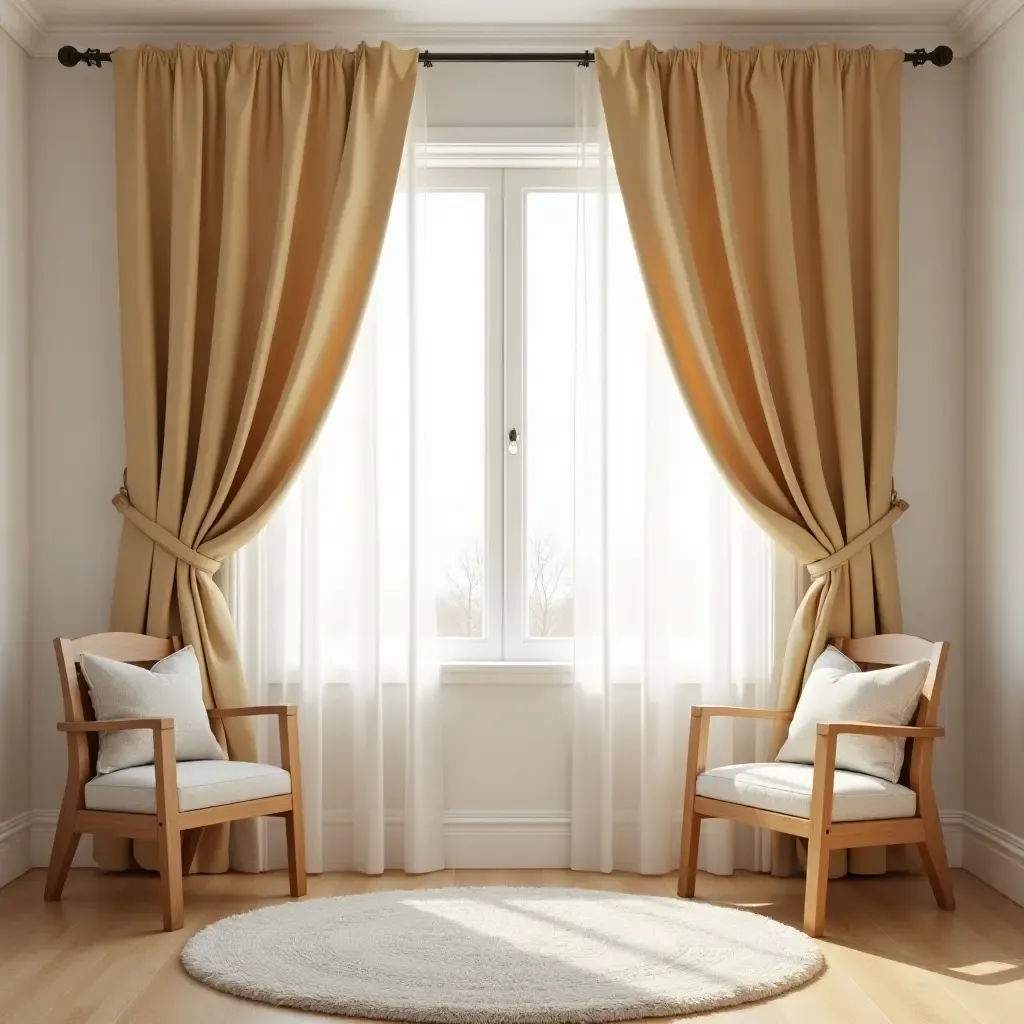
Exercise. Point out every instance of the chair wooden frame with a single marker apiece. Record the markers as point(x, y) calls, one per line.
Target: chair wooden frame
point(176, 833)
point(822, 834)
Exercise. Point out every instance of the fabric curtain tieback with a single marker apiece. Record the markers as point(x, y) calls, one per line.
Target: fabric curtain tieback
point(164, 538)
point(860, 542)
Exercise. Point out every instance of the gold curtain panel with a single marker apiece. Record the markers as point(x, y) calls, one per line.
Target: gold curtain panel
point(253, 192)
point(762, 191)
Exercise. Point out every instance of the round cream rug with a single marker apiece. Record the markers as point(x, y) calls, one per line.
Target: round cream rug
point(522, 956)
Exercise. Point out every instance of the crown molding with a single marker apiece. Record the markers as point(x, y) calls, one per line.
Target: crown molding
point(22, 22)
point(684, 30)
point(980, 19)
point(975, 23)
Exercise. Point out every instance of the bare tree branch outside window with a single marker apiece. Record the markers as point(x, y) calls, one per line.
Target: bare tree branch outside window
point(550, 602)
point(465, 594)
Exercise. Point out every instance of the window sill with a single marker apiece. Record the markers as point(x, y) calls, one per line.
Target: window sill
point(475, 673)
point(506, 673)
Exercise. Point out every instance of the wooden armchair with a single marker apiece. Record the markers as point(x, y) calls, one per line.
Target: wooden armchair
point(876, 813)
point(167, 802)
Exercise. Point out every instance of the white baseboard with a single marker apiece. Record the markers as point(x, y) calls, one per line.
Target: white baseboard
point(953, 833)
point(484, 839)
point(536, 839)
point(500, 839)
point(481, 839)
point(40, 841)
point(478, 839)
point(14, 847)
point(995, 856)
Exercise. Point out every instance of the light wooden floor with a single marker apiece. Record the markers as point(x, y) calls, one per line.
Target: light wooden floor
point(98, 956)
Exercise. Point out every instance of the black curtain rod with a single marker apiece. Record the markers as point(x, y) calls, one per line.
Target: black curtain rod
point(69, 57)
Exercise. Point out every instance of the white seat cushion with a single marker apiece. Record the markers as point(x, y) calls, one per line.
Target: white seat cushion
point(200, 784)
point(786, 788)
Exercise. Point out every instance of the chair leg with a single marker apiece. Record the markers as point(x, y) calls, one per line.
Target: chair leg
point(688, 846)
point(189, 845)
point(696, 760)
point(295, 829)
point(933, 857)
point(296, 834)
point(172, 894)
point(816, 889)
point(65, 843)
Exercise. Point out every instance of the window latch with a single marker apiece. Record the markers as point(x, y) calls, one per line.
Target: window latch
point(513, 441)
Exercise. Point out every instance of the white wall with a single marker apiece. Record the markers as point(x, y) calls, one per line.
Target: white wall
point(929, 467)
point(994, 484)
point(507, 747)
point(76, 427)
point(14, 452)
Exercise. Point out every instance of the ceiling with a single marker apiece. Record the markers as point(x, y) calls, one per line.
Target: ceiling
point(41, 25)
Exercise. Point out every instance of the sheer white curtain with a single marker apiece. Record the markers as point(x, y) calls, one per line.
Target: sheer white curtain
point(339, 588)
point(679, 595)
point(679, 598)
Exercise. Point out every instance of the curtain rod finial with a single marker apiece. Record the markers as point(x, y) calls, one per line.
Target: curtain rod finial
point(940, 56)
point(92, 57)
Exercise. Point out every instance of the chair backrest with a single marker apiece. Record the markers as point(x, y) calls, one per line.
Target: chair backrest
point(898, 649)
point(133, 647)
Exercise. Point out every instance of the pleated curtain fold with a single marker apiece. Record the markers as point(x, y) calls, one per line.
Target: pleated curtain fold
point(762, 192)
point(254, 188)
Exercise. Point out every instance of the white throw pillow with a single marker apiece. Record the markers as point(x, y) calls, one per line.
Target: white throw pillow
point(173, 688)
point(838, 691)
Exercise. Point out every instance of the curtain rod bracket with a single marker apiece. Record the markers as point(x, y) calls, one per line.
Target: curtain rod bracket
point(69, 56)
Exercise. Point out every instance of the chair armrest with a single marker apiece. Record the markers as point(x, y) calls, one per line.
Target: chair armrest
point(725, 711)
point(118, 725)
point(700, 729)
point(825, 757)
point(910, 732)
point(281, 710)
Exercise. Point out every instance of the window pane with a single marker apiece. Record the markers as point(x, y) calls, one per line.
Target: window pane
point(453, 328)
point(550, 332)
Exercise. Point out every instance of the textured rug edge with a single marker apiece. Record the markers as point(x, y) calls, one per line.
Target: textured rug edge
point(193, 960)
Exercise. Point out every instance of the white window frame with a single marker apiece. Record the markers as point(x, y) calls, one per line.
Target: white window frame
point(519, 645)
point(488, 159)
point(505, 164)
point(487, 180)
